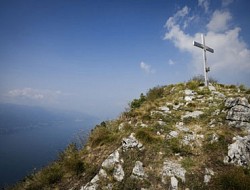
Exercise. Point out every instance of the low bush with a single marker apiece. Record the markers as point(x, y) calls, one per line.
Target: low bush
point(232, 86)
point(235, 178)
point(155, 93)
point(176, 147)
point(193, 84)
point(134, 184)
point(50, 175)
point(71, 160)
point(187, 163)
point(102, 135)
point(200, 79)
point(147, 136)
point(242, 87)
point(136, 103)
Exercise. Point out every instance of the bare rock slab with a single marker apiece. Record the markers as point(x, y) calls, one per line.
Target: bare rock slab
point(239, 151)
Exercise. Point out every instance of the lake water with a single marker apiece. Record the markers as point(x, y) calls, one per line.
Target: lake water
point(22, 152)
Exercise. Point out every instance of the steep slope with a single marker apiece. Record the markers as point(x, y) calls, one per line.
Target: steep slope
point(182, 136)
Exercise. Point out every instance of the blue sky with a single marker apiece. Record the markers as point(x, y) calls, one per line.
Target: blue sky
point(95, 56)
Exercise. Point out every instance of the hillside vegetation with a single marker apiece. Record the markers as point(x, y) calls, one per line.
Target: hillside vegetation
point(182, 136)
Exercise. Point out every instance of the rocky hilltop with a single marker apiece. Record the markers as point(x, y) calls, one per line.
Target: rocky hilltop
point(183, 136)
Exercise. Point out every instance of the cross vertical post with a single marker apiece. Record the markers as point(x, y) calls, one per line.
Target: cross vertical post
point(205, 48)
point(205, 60)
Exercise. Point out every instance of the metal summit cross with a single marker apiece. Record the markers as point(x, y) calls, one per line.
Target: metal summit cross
point(205, 48)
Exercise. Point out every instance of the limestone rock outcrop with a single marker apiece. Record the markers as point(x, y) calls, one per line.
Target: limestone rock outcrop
point(138, 170)
point(131, 142)
point(172, 169)
point(239, 112)
point(239, 151)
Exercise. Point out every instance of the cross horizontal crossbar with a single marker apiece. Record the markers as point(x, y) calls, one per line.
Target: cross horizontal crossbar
point(197, 44)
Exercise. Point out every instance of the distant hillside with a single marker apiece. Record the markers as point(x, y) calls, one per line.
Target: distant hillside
point(183, 136)
point(15, 118)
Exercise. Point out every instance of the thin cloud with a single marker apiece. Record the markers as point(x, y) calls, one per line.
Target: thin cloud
point(204, 4)
point(34, 94)
point(171, 62)
point(231, 58)
point(147, 68)
point(219, 21)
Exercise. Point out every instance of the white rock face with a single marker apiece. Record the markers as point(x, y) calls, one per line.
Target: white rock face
point(138, 170)
point(92, 185)
point(111, 160)
point(131, 142)
point(95, 179)
point(188, 98)
point(181, 127)
point(121, 126)
point(215, 138)
point(188, 92)
point(165, 109)
point(161, 123)
point(208, 175)
point(230, 102)
point(211, 87)
point(118, 173)
point(239, 112)
point(216, 112)
point(187, 139)
point(193, 114)
point(174, 183)
point(193, 139)
point(189, 95)
point(174, 134)
point(172, 169)
point(176, 107)
point(239, 151)
point(218, 94)
point(103, 173)
point(207, 178)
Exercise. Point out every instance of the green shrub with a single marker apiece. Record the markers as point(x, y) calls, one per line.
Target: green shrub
point(212, 80)
point(242, 87)
point(155, 93)
point(200, 79)
point(219, 146)
point(71, 160)
point(136, 103)
point(51, 174)
point(191, 105)
point(146, 117)
point(187, 163)
point(134, 184)
point(193, 84)
point(176, 147)
point(232, 86)
point(102, 135)
point(236, 178)
point(147, 136)
point(204, 91)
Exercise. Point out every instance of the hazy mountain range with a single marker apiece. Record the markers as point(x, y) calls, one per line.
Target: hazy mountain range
point(15, 118)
